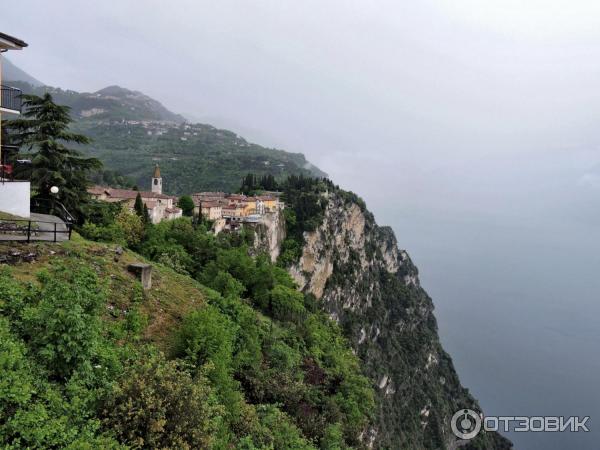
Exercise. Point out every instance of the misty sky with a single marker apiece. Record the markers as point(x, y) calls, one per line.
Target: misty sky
point(458, 105)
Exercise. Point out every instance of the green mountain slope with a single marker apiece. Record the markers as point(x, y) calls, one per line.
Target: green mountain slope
point(192, 157)
point(131, 132)
point(90, 360)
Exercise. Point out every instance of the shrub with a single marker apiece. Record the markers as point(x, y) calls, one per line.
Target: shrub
point(63, 327)
point(103, 233)
point(158, 405)
point(228, 286)
point(175, 257)
point(206, 339)
point(16, 383)
point(283, 434)
point(333, 439)
point(132, 226)
point(206, 335)
point(287, 304)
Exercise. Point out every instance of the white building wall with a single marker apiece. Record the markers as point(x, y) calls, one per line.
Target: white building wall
point(15, 197)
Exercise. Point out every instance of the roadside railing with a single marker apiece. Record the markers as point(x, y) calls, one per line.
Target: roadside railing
point(10, 98)
point(52, 207)
point(34, 230)
point(50, 230)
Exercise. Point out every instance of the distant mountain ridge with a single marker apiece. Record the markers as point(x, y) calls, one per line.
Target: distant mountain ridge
point(10, 72)
point(131, 132)
point(110, 103)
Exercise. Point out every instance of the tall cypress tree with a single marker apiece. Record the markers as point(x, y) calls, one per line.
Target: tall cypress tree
point(44, 132)
point(138, 206)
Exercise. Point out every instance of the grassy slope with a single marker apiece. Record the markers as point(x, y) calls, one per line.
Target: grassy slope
point(270, 388)
point(172, 295)
point(8, 216)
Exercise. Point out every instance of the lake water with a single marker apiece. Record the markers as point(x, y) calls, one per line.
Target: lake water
point(518, 309)
point(510, 254)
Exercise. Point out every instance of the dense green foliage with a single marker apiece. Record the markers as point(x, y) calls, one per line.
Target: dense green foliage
point(252, 183)
point(186, 204)
point(257, 367)
point(43, 131)
point(159, 404)
point(296, 358)
point(107, 177)
point(56, 364)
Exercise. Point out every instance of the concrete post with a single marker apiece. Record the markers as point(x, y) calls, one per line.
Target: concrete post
point(143, 272)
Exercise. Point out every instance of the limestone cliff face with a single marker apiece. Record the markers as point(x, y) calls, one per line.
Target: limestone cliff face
point(270, 233)
point(371, 288)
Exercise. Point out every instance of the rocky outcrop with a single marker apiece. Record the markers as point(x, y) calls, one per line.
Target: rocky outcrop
point(269, 234)
point(371, 288)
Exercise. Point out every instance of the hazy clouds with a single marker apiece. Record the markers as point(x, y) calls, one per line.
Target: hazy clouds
point(465, 105)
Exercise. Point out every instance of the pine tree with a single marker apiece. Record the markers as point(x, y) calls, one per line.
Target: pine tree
point(44, 131)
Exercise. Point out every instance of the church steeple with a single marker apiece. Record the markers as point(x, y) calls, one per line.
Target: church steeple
point(157, 181)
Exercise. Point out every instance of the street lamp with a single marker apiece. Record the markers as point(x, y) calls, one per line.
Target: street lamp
point(53, 191)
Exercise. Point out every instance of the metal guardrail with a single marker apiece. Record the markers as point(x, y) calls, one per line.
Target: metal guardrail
point(10, 98)
point(52, 207)
point(33, 230)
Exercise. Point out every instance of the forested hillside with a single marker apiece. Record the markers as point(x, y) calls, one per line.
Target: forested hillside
point(90, 360)
point(131, 132)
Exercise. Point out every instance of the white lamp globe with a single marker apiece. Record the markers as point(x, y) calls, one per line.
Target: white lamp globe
point(54, 190)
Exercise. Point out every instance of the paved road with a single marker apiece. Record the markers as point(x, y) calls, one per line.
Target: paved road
point(43, 229)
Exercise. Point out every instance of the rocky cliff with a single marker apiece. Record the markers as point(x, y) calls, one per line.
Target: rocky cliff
point(269, 234)
point(355, 270)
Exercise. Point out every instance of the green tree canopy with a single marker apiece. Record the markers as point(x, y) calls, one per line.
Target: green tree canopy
point(187, 205)
point(44, 131)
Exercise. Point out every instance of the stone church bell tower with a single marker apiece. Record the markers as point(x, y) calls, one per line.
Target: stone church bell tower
point(157, 181)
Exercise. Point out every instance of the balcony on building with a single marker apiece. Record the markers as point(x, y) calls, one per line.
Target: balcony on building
point(14, 192)
point(10, 100)
point(10, 97)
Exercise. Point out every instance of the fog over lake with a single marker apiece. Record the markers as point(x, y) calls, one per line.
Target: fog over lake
point(470, 127)
point(516, 294)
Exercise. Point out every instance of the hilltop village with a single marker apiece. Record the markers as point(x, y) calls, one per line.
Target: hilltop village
point(226, 211)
